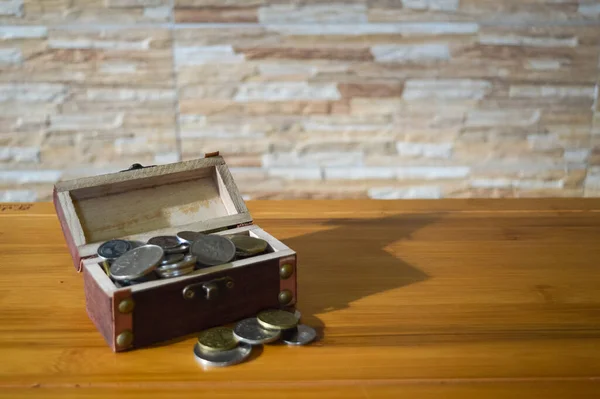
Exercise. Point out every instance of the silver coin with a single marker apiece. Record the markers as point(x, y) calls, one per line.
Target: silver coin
point(136, 263)
point(301, 335)
point(182, 249)
point(250, 332)
point(165, 242)
point(113, 249)
point(213, 250)
point(187, 262)
point(175, 273)
point(172, 258)
point(223, 358)
point(188, 236)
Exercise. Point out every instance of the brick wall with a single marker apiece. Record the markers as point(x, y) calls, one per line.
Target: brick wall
point(316, 99)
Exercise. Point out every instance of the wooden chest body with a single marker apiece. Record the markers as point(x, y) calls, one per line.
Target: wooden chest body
point(198, 195)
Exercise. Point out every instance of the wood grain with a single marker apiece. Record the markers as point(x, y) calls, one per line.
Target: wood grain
point(453, 299)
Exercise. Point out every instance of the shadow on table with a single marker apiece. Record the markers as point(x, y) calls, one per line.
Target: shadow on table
point(349, 261)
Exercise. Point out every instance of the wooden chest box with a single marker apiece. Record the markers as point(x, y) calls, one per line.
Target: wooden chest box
point(137, 204)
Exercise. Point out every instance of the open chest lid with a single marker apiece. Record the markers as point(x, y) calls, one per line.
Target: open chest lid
point(137, 204)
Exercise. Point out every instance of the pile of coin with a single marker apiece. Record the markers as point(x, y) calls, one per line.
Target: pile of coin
point(128, 262)
point(223, 346)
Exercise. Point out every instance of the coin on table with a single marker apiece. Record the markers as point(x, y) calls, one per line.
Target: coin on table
point(165, 242)
point(250, 332)
point(182, 249)
point(213, 250)
point(137, 263)
point(301, 335)
point(172, 258)
point(188, 236)
point(275, 319)
point(113, 249)
point(217, 339)
point(185, 263)
point(223, 358)
point(248, 246)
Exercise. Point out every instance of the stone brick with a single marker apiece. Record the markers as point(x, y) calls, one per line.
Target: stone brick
point(483, 118)
point(532, 41)
point(284, 69)
point(77, 122)
point(432, 172)
point(350, 158)
point(29, 176)
point(32, 92)
point(413, 192)
point(402, 53)
point(330, 13)
point(118, 68)
point(132, 3)
point(159, 13)
point(286, 91)
point(126, 94)
point(591, 10)
point(405, 29)
point(11, 7)
point(166, 157)
point(529, 91)
point(417, 89)
point(434, 5)
point(307, 173)
point(302, 53)
point(426, 150)
point(368, 90)
point(544, 64)
point(23, 32)
point(354, 173)
point(374, 106)
point(577, 155)
point(217, 14)
point(10, 56)
point(18, 196)
point(200, 55)
point(19, 154)
point(85, 43)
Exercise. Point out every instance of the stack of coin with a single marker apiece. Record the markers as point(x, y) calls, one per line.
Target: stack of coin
point(246, 246)
point(170, 244)
point(217, 346)
point(182, 253)
point(137, 265)
point(175, 265)
point(213, 250)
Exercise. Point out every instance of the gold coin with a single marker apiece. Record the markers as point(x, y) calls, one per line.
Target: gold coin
point(217, 339)
point(277, 319)
point(249, 246)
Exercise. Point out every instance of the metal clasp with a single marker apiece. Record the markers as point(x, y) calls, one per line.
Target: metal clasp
point(209, 290)
point(136, 166)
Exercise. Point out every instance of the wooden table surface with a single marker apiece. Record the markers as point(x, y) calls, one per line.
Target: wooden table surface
point(413, 299)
